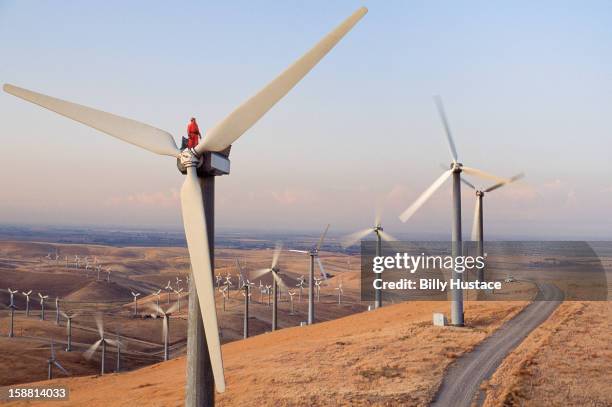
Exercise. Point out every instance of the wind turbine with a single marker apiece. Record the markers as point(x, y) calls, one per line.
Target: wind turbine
point(52, 361)
point(42, 305)
point(178, 297)
point(168, 288)
point(340, 292)
point(102, 341)
point(456, 168)
point(12, 294)
point(119, 345)
point(197, 194)
point(380, 236)
point(223, 291)
point(300, 284)
point(478, 226)
point(166, 325)
point(276, 282)
point(156, 294)
point(318, 288)
point(292, 293)
point(218, 279)
point(27, 295)
point(69, 318)
point(314, 254)
point(108, 271)
point(135, 295)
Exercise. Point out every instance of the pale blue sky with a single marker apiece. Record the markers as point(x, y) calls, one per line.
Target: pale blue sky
point(527, 87)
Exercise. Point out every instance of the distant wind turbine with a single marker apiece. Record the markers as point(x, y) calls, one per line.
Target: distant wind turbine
point(276, 282)
point(102, 341)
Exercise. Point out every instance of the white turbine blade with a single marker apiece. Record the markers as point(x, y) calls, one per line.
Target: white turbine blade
point(247, 114)
point(355, 237)
point(322, 237)
point(89, 352)
point(424, 196)
point(378, 214)
point(259, 273)
point(277, 252)
point(386, 236)
point(112, 342)
point(449, 137)
point(468, 183)
point(100, 325)
point(323, 273)
point(475, 221)
point(131, 131)
point(172, 308)
point(64, 314)
point(153, 306)
point(197, 243)
point(279, 280)
point(56, 363)
point(298, 251)
point(479, 173)
point(501, 184)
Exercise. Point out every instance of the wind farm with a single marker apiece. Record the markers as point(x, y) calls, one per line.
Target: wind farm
point(253, 273)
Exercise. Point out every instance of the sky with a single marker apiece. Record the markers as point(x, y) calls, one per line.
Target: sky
point(527, 88)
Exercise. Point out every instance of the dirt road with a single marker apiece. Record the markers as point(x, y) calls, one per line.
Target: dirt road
point(462, 381)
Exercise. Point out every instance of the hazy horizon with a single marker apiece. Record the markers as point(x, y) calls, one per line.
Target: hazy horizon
point(526, 86)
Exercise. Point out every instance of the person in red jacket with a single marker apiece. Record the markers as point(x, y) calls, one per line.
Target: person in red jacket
point(193, 131)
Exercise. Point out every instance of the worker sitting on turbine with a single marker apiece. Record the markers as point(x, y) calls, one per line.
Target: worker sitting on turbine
point(193, 132)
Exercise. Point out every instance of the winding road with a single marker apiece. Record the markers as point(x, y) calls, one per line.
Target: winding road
point(462, 381)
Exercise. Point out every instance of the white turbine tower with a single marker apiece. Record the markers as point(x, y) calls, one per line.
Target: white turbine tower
point(314, 255)
point(246, 292)
point(276, 282)
point(52, 361)
point(102, 341)
point(456, 168)
point(478, 225)
point(69, 318)
point(27, 295)
point(380, 236)
point(197, 194)
point(300, 285)
point(135, 295)
point(340, 292)
point(12, 309)
point(178, 298)
point(223, 291)
point(291, 293)
point(156, 294)
point(169, 289)
point(166, 325)
point(42, 305)
point(57, 311)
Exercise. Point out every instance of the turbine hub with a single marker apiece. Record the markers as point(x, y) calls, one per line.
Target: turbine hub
point(479, 193)
point(188, 159)
point(456, 167)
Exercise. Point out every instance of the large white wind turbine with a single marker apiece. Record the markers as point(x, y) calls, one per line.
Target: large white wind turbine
point(103, 341)
point(456, 168)
point(276, 282)
point(197, 193)
point(166, 322)
point(27, 295)
point(52, 361)
point(69, 318)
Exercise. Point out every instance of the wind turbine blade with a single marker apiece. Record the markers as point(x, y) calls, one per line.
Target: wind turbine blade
point(449, 137)
point(321, 268)
point(52, 350)
point(277, 252)
point(322, 237)
point(378, 214)
point(475, 221)
point(112, 342)
point(131, 131)
point(89, 352)
point(298, 251)
point(197, 243)
point(425, 196)
point(468, 183)
point(279, 280)
point(64, 314)
point(479, 173)
point(501, 184)
point(247, 114)
point(154, 307)
point(172, 308)
point(56, 363)
point(259, 273)
point(386, 236)
point(355, 237)
point(100, 325)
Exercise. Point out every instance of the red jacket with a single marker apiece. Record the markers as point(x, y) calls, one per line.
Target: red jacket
point(193, 129)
